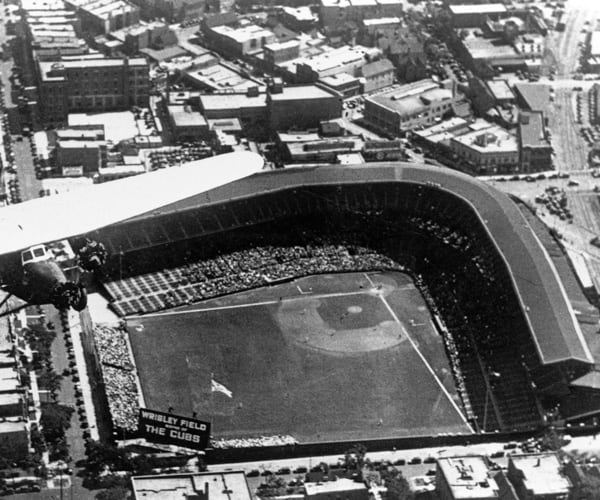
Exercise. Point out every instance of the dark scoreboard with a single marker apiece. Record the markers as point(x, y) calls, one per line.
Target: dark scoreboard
point(167, 428)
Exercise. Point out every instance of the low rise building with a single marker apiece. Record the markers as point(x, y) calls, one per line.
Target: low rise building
point(500, 92)
point(278, 52)
point(532, 97)
point(12, 404)
point(383, 151)
point(247, 107)
point(335, 13)
point(347, 85)
point(14, 438)
point(77, 157)
point(104, 16)
point(407, 107)
point(155, 35)
point(91, 84)
point(488, 148)
point(475, 15)
point(377, 75)
point(187, 124)
point(465, 478)
point(302, 106)
point(538, 476)
point(344, 59)
point(534, 146)
point(81, 133)
point(204, 485)
point(298, 18)
point(332, 490)
point(240, 41)
point(209, 74)
point(322, 150)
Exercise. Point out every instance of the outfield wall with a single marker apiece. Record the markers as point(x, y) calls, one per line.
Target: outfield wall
point(233, 455)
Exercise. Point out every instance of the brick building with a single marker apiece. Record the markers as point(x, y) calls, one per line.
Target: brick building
point(86, 84)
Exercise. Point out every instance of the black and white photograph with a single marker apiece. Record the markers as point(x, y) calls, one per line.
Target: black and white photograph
point(300, 249)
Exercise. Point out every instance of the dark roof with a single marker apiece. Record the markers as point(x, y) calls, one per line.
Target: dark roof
point(544, 302)
point(164, 54)
point(377, 67)
point(220, 19)
point(531, 129)
point(533, 95)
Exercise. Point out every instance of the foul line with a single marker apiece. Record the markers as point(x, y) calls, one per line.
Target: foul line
point(253, 304)
point(439, 382)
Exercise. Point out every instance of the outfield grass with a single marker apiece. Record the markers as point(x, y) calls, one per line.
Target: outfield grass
point(321, 358)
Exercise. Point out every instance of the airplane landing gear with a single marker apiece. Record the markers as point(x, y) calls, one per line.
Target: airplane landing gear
point(69, 294)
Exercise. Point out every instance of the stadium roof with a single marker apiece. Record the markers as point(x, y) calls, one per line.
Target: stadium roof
point(542, 296)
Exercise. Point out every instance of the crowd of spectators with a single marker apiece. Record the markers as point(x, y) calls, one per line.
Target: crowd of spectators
point(118, 376)
point(123, 398)
point(111, 345)
point(278, 440)
point(241, 270)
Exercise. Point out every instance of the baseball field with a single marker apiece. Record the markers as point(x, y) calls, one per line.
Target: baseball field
point(321, 358)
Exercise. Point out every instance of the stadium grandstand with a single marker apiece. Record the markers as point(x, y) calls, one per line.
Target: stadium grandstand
point(510, 333)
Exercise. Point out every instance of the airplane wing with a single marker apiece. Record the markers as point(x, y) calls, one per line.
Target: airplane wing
point(53, 218)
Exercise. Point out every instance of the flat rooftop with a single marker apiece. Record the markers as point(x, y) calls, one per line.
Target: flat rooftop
point(486, 8)
point(339, 57)
point(244, 34)
point(219, 77)
point(332, 487)
point(8, 379)
point(541, 473)
point(535, 96)
point(9, 426)
point(468, 477)
point(410, 99)
point(183, 116)
point(301, 92)
point(49, 5)
point(231, 101)
point(381, 21)
point(338, 79)
point(531, 129)
point(11, 398)
point(500, 90)
point(221, 486)
point(104, 8)
point(493, 139)
point(80, 144)
point(282, 45)
point(485, 48)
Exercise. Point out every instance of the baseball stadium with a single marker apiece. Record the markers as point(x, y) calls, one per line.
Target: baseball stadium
point(336, 303)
